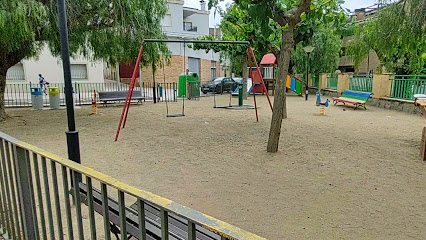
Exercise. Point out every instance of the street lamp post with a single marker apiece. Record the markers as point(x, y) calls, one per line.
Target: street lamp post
point(308, 50)
point(72, 133)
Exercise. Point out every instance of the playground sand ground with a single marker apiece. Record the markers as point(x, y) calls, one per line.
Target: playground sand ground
point(347, 175)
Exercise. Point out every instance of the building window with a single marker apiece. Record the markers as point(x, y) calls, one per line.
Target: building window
point(213, 69)
point(187, 26)
point(16, 73)
point(78, 71)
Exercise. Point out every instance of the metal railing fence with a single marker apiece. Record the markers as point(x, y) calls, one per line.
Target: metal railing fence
point(19, 94)
point(315, 81)
point(361, 82)
point(332, 81)
point(35, 203)
point(405, 86)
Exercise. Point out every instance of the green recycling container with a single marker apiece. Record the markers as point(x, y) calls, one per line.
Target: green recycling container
point(183, 86)
point(193, 90)
point(54, 98)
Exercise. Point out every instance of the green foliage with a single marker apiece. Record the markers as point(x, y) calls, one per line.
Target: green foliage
point(99, 29)
point(235, 26)
point(21, 24)
point(331, 16)
point(322, 28)
point(397, 35)
point(325, 56)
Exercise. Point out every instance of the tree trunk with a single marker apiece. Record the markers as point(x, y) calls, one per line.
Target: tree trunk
point(245, 76)
point(279, 110)
point(3, 115)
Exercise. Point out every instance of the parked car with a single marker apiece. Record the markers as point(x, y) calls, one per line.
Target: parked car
point(219, 85)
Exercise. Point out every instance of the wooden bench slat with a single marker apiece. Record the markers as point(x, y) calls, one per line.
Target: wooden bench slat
point(178, 226)
point(353, 97)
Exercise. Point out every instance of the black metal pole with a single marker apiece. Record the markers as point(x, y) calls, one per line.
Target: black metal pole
point(72, 134)
point(154, 94)
point(307, 80)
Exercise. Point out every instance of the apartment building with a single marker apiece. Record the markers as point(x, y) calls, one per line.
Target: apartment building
point(182, 22)
point(371, 63)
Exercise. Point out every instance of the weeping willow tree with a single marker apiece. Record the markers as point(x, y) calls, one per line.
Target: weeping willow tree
point(397, 35)
point(111, 30)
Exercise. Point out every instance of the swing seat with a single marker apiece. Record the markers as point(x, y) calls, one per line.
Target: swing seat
point(227, 106)
point(176, 115)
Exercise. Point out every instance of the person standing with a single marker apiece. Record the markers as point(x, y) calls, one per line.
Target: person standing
point(42, 83)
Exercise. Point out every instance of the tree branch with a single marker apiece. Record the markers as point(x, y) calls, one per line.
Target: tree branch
point(316, 9)
point(294, 13)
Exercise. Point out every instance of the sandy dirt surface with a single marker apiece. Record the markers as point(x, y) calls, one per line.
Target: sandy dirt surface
point(347, 175)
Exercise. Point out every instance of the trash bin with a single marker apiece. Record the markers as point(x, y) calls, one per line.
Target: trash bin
point(36, 98)
point(54, 98)
point(193, 90)
point(183, 86)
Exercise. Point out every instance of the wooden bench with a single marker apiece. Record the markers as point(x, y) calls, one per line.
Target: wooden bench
point(420, 101)
point(178, 227)
point(358, 99)
point(119, 96)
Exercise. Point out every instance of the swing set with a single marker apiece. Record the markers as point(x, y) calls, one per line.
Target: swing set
point(256, 76)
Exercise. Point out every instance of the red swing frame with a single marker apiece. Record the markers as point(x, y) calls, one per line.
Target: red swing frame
point(255, 76)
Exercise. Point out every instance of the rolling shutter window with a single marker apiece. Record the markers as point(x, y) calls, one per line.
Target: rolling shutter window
point(78, 71)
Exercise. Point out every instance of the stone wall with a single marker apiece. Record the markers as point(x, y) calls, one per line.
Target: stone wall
point(393, 104)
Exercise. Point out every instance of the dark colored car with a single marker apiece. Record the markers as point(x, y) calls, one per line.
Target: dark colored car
point(219, 85)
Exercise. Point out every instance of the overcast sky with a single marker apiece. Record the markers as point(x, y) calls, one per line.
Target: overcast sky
point(351, 4)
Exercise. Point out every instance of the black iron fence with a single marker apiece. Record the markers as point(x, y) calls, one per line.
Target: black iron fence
point(19, 94)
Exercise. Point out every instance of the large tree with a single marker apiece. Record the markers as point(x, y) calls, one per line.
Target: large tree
point(99, 29)
point(277, 23)
point(397, 34)
point(277, 26)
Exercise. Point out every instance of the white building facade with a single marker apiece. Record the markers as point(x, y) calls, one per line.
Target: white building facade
point(179, 23)
point(186, 23)
point(27, 71)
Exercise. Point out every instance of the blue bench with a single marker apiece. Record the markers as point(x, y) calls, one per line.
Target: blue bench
point(358, 99)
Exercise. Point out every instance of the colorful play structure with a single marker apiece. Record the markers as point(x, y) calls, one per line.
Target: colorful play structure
point(256, 76)
point(269, 72)
point(320, 104)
